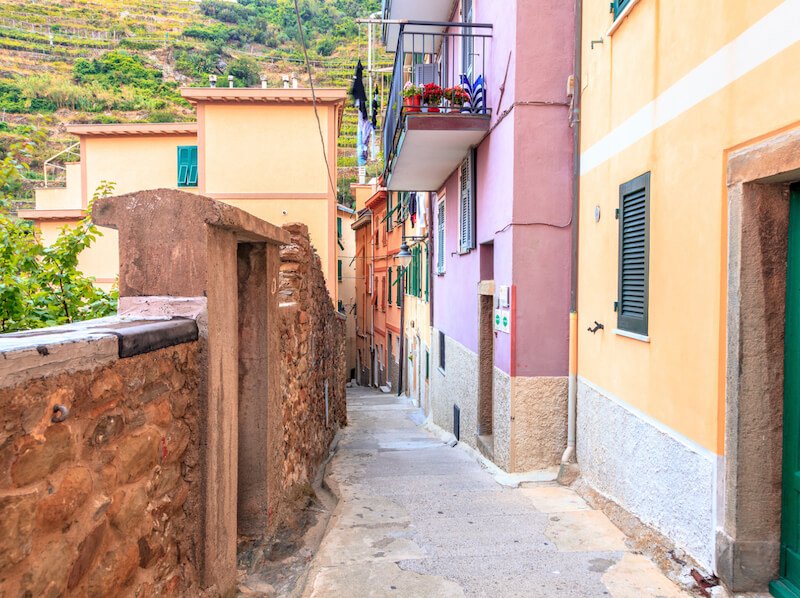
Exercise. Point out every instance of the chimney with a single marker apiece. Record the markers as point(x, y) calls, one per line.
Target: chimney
point(230, 81)
point(263, 81)
point(212, 80)
point(294, 81)
point(286, 81)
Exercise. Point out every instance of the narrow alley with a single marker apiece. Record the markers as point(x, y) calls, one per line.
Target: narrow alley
point(417, 517)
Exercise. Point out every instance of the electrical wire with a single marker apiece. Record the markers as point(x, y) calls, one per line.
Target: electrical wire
point(334, 188)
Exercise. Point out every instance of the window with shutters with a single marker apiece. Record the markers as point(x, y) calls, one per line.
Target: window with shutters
point(339, 270)
point(440, 239)
point(617, 6)
point(466, 210)
point(634, 253)
point(390, 285)
point(187, 166)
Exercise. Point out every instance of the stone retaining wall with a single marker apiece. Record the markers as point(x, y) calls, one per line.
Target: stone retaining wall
point(105, 502)
point(313, 367)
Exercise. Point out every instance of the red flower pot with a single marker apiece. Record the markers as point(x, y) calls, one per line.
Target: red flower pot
point(413, 103)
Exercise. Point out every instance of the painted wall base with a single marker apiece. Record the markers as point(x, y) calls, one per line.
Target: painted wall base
point(663, 479)
point(529, 415)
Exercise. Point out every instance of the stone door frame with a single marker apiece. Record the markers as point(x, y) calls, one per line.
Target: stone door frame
point(748, 535)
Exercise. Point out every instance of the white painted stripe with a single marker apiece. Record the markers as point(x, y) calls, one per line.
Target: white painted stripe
point(774, 33)
point(677, 436)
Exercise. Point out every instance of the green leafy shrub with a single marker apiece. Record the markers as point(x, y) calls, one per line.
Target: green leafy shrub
point(42, 286)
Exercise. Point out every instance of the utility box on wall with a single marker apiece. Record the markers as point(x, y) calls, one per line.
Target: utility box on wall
point(502, 309)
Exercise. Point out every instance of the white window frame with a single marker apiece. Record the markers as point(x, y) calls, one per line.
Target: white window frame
point(441, 241)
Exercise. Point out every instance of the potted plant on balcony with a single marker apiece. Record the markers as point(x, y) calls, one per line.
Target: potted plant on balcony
point(412, 97)
point(432, 94)
point(457, 96)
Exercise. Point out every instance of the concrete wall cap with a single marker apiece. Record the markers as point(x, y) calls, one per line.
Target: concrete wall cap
point(108, 211)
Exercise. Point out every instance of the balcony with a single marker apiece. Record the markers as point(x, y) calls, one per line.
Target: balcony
point(419, 10)
point(423, 145)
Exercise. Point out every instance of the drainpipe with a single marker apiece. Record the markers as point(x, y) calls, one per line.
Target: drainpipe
point(569, 453)
point(400, 358)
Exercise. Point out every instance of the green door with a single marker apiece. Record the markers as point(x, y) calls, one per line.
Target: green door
point(788, 586)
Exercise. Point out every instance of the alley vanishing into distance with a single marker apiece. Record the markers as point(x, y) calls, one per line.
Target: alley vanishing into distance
point(418, 517)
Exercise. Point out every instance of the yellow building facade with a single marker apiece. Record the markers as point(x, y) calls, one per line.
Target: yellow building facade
point(346, 277)
point(257, 149)
point(676, 97)
point(417, 305)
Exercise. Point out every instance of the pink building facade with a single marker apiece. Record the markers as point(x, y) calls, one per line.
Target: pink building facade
point(501, 231)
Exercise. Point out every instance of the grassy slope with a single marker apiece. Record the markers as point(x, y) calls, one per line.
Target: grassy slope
point(41, 41)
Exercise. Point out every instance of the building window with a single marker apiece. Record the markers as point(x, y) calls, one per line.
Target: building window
point(441, 350)
point(341, 307)
point(187, 166)
point(339, 270)
point(466, 210)
point(618, 6)
point(440, 239)
point(427, 365)
point(390, 285)
point(339, 227)
point(634, 253)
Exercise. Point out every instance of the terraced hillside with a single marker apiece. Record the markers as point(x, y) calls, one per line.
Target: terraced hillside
point(65, 61)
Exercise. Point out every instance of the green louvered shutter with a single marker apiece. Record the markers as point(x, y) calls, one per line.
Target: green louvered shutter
point(339, 227)
point(187, 166)
point(192, 182)
point(389, 294)
point(427, 274)
point(618, 6)
point(183, 165)
point(634, 253)
point(339, 269)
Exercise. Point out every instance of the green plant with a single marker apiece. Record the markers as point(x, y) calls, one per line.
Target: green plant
point(245, 71)
point(42, 285)
point(410, 90)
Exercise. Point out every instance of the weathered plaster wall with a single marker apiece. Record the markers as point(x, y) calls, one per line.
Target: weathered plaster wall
point(501, 418)
point(313, 361)
point(539, 421)
point(456, 385)
point(105, 503)
point(665, 481)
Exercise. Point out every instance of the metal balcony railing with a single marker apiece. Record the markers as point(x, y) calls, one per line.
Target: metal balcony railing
point(452, 57)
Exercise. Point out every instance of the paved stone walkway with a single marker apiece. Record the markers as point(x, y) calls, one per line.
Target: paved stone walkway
point(418, 518)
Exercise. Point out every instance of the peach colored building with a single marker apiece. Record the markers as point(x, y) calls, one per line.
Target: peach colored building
point(257, 149)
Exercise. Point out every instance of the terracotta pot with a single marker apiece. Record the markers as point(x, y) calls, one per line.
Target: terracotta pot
point(412, 103)
point(433, 109)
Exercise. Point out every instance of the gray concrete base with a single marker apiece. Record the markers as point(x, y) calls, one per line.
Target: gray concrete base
point(742, 564)
point(645, 469)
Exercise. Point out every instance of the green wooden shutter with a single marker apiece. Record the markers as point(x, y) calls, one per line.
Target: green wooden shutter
point(192, 182)
point(427, 274)
point(183, 165)
point(634, 253)
point(400, 280)
point(389, 295)
point(187, 166)
point(339, 227)
point(618, 6)
point(339, 269)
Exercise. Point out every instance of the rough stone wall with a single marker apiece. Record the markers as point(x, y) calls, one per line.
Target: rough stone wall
point(104, 503)
point(313, 358)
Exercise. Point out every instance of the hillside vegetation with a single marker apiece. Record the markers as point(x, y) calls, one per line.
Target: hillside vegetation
point(103, 61)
